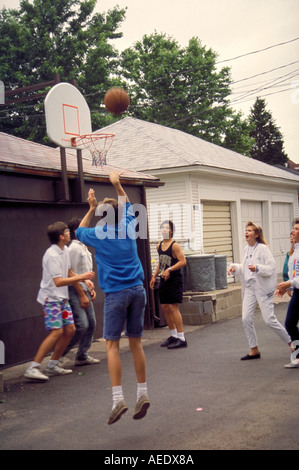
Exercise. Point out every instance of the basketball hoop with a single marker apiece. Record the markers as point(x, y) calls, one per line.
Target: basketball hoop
point(98, 145)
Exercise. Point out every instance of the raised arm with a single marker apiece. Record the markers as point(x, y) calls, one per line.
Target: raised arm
point(114, 178)
point(93, 203)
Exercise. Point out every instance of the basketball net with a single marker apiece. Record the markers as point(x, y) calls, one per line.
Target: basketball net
point(97, 144)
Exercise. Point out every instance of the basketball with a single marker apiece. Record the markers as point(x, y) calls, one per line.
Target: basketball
point(116, 100)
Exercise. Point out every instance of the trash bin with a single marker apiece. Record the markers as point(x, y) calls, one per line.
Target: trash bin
point(201, 273)
point(220, 272)
point(184, 277)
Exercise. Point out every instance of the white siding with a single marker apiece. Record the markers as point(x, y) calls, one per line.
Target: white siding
point(169, 202)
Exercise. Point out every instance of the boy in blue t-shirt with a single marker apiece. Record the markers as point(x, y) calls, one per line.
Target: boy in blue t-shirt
point(121, 278)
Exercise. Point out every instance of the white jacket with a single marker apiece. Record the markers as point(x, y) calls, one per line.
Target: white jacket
point(294, 267)
point(266, 274)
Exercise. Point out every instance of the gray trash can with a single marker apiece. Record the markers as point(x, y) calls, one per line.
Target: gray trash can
point(185, 276)
point(201, 273)
point(220, 272)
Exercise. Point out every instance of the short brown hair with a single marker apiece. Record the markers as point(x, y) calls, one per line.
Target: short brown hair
point(113, 216)
point(55, 230)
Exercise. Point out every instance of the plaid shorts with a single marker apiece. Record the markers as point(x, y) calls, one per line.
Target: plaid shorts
point(57, 314)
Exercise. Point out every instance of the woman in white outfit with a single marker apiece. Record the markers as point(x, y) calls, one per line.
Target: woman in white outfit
point(259, 279)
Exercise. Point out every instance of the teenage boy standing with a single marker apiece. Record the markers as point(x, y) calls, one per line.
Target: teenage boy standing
point(81, 302)
point(53, 296)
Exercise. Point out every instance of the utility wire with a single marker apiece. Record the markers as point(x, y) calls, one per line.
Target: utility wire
point(235, 100)
point(229, 60)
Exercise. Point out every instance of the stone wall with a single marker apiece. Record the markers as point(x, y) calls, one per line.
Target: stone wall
point(201, 308)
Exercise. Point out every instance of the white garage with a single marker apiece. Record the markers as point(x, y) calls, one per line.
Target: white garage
point(210, 192)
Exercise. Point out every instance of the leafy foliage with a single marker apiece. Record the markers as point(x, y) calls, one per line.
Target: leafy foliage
point(49, 37)
point(182, 88)
point(175, 86)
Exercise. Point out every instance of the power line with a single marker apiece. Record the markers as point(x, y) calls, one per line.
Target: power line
point(271, 84)
point(240, 99)
point(173, 74)
point(264, 73)
point(259, 50)
point(223, 61)
point(265, 94)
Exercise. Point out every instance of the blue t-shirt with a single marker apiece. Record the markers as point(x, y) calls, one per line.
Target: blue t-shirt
point(119, 266)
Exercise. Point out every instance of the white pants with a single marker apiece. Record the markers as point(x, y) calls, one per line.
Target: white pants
point(251, 297)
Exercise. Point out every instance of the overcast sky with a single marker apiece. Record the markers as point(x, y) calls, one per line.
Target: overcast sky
point(231, 28)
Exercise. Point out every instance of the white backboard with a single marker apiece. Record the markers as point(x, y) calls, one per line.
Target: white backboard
point(67, 114)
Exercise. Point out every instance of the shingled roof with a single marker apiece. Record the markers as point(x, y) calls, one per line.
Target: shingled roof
point(145, 146)
point(20, 155)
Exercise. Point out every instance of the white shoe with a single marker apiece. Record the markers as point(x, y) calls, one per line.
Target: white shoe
point(293, 364)
point(34, 373)
point(56, 370)
point(63, 361)
point(87, 361)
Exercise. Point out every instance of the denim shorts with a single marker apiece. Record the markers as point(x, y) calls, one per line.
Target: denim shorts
point(124, 308)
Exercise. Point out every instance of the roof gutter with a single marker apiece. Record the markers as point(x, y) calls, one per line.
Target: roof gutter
point(46, 172)
point(225, 173)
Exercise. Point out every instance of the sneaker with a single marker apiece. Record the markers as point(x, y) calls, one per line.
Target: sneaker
point(34, 373)
point(56, 370)
point(117, 412)
point(293, 364)
point(141, 407)
point(87, 361)
point(168, 341)
point(178, 343)
point(63, 361)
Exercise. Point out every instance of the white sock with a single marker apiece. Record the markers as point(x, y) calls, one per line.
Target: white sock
point(52, 363)
point(141, 389)
point(174, 333)
point(117, 395)
point(181, 336)
point(34, 364)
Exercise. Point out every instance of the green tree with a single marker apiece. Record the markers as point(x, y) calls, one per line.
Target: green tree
point(268, 140)
point(46, 37)
point(237, 135)
point(182, 88)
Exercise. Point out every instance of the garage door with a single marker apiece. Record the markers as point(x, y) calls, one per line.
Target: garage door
point(250, 210)
point(217, 233)
point(281, 228)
